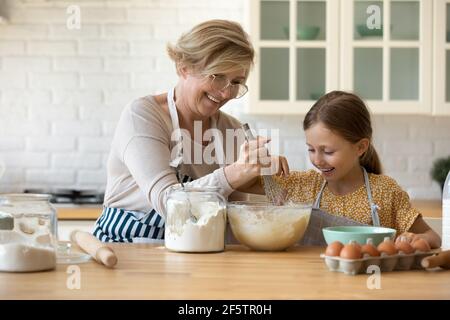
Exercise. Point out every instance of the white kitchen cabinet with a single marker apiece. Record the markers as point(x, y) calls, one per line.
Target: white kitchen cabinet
point(391, 68)
point(441, 67)
point(296, 44)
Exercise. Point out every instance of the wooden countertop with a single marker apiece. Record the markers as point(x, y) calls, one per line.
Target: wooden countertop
point(147, 271)
point(79, 212)
point(429, 209)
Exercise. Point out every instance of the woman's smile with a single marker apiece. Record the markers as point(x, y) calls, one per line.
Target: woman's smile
point(211, 97)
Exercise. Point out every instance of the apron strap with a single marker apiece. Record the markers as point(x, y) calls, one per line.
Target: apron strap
point(178, 160)
point(316, 204)
point(218, 143)
point(373, 207)
point(173, 113)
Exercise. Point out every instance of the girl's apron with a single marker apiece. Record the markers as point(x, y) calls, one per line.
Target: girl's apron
point(320, 219)
point(120, 225)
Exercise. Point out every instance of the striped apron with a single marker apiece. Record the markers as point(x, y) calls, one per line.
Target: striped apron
point(119, 225)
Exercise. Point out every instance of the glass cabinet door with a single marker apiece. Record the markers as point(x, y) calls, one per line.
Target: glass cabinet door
point(274, 20)
point(311, 73)
point(447, 53)
point(311, 20)
point(310, 58)
point(368, 20)
point(274, 73)
point(387, 49)
point(379, 49)
point(295, 41)
point(368, 72)
point(441, 92)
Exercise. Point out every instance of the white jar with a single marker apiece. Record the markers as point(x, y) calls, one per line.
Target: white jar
point(195, 220)
point(446, 214)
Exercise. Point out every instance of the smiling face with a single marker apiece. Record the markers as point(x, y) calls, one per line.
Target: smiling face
point(201, 98)
point(329, 152)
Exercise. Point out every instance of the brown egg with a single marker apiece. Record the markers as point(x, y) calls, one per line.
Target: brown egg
point(369, 249)
point(387, 247)
point(351, 251)
point(356, 244)
point(404, 246)
point(334, 249)
point(421, 245)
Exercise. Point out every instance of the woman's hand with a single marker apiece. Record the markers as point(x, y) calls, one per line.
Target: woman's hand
point(254, 156)
point(254, 185)
point(254, 160)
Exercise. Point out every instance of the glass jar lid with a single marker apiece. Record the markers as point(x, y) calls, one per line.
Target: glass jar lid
point(178, 187)
point(67, 253)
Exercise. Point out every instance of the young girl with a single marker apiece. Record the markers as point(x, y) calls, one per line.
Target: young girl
point(349, 181)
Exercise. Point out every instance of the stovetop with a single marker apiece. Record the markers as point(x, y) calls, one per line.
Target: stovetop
point(71, 196)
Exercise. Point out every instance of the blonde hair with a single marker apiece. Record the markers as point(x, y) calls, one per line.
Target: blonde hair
point(212, 47)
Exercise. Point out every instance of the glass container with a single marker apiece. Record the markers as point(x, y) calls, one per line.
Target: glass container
point(28, 233)
point(195, 219)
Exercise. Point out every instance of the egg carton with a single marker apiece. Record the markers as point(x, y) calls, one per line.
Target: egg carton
point(386, 263)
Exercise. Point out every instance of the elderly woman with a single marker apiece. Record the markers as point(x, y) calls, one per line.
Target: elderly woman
point(213, 61)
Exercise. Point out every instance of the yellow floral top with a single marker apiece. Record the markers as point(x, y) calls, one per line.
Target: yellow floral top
point(395, 210)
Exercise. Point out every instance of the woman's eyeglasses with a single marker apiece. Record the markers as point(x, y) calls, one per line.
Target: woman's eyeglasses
point(220, 83)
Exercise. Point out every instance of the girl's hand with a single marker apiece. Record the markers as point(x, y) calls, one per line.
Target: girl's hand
point(420, 229)
point(280, 166)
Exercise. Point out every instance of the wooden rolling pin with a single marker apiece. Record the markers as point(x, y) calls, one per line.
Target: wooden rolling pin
point(442, 259)
point(98, 250)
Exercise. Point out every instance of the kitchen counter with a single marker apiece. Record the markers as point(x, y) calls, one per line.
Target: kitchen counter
point(149, 271)
point(429, 209)
point(78, 212)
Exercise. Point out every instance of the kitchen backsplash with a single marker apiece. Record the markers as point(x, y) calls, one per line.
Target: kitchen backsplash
point(62, 91)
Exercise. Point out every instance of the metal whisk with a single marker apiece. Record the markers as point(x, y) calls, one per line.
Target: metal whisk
point(274, 192)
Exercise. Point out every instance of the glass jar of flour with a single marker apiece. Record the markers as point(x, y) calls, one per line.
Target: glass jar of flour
point(28, 233)
point(195, 219)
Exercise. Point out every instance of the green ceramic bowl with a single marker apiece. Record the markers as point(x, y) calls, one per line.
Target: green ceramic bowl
point(360, 234)
point(304, 32)
point(366, 32)
point(307, 32)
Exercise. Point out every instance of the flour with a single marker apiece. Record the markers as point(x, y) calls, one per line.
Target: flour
point(207, 234)
point(20, 254)
point(272, 228)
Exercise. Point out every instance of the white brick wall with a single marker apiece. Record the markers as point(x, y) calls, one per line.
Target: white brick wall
point(62, 91)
